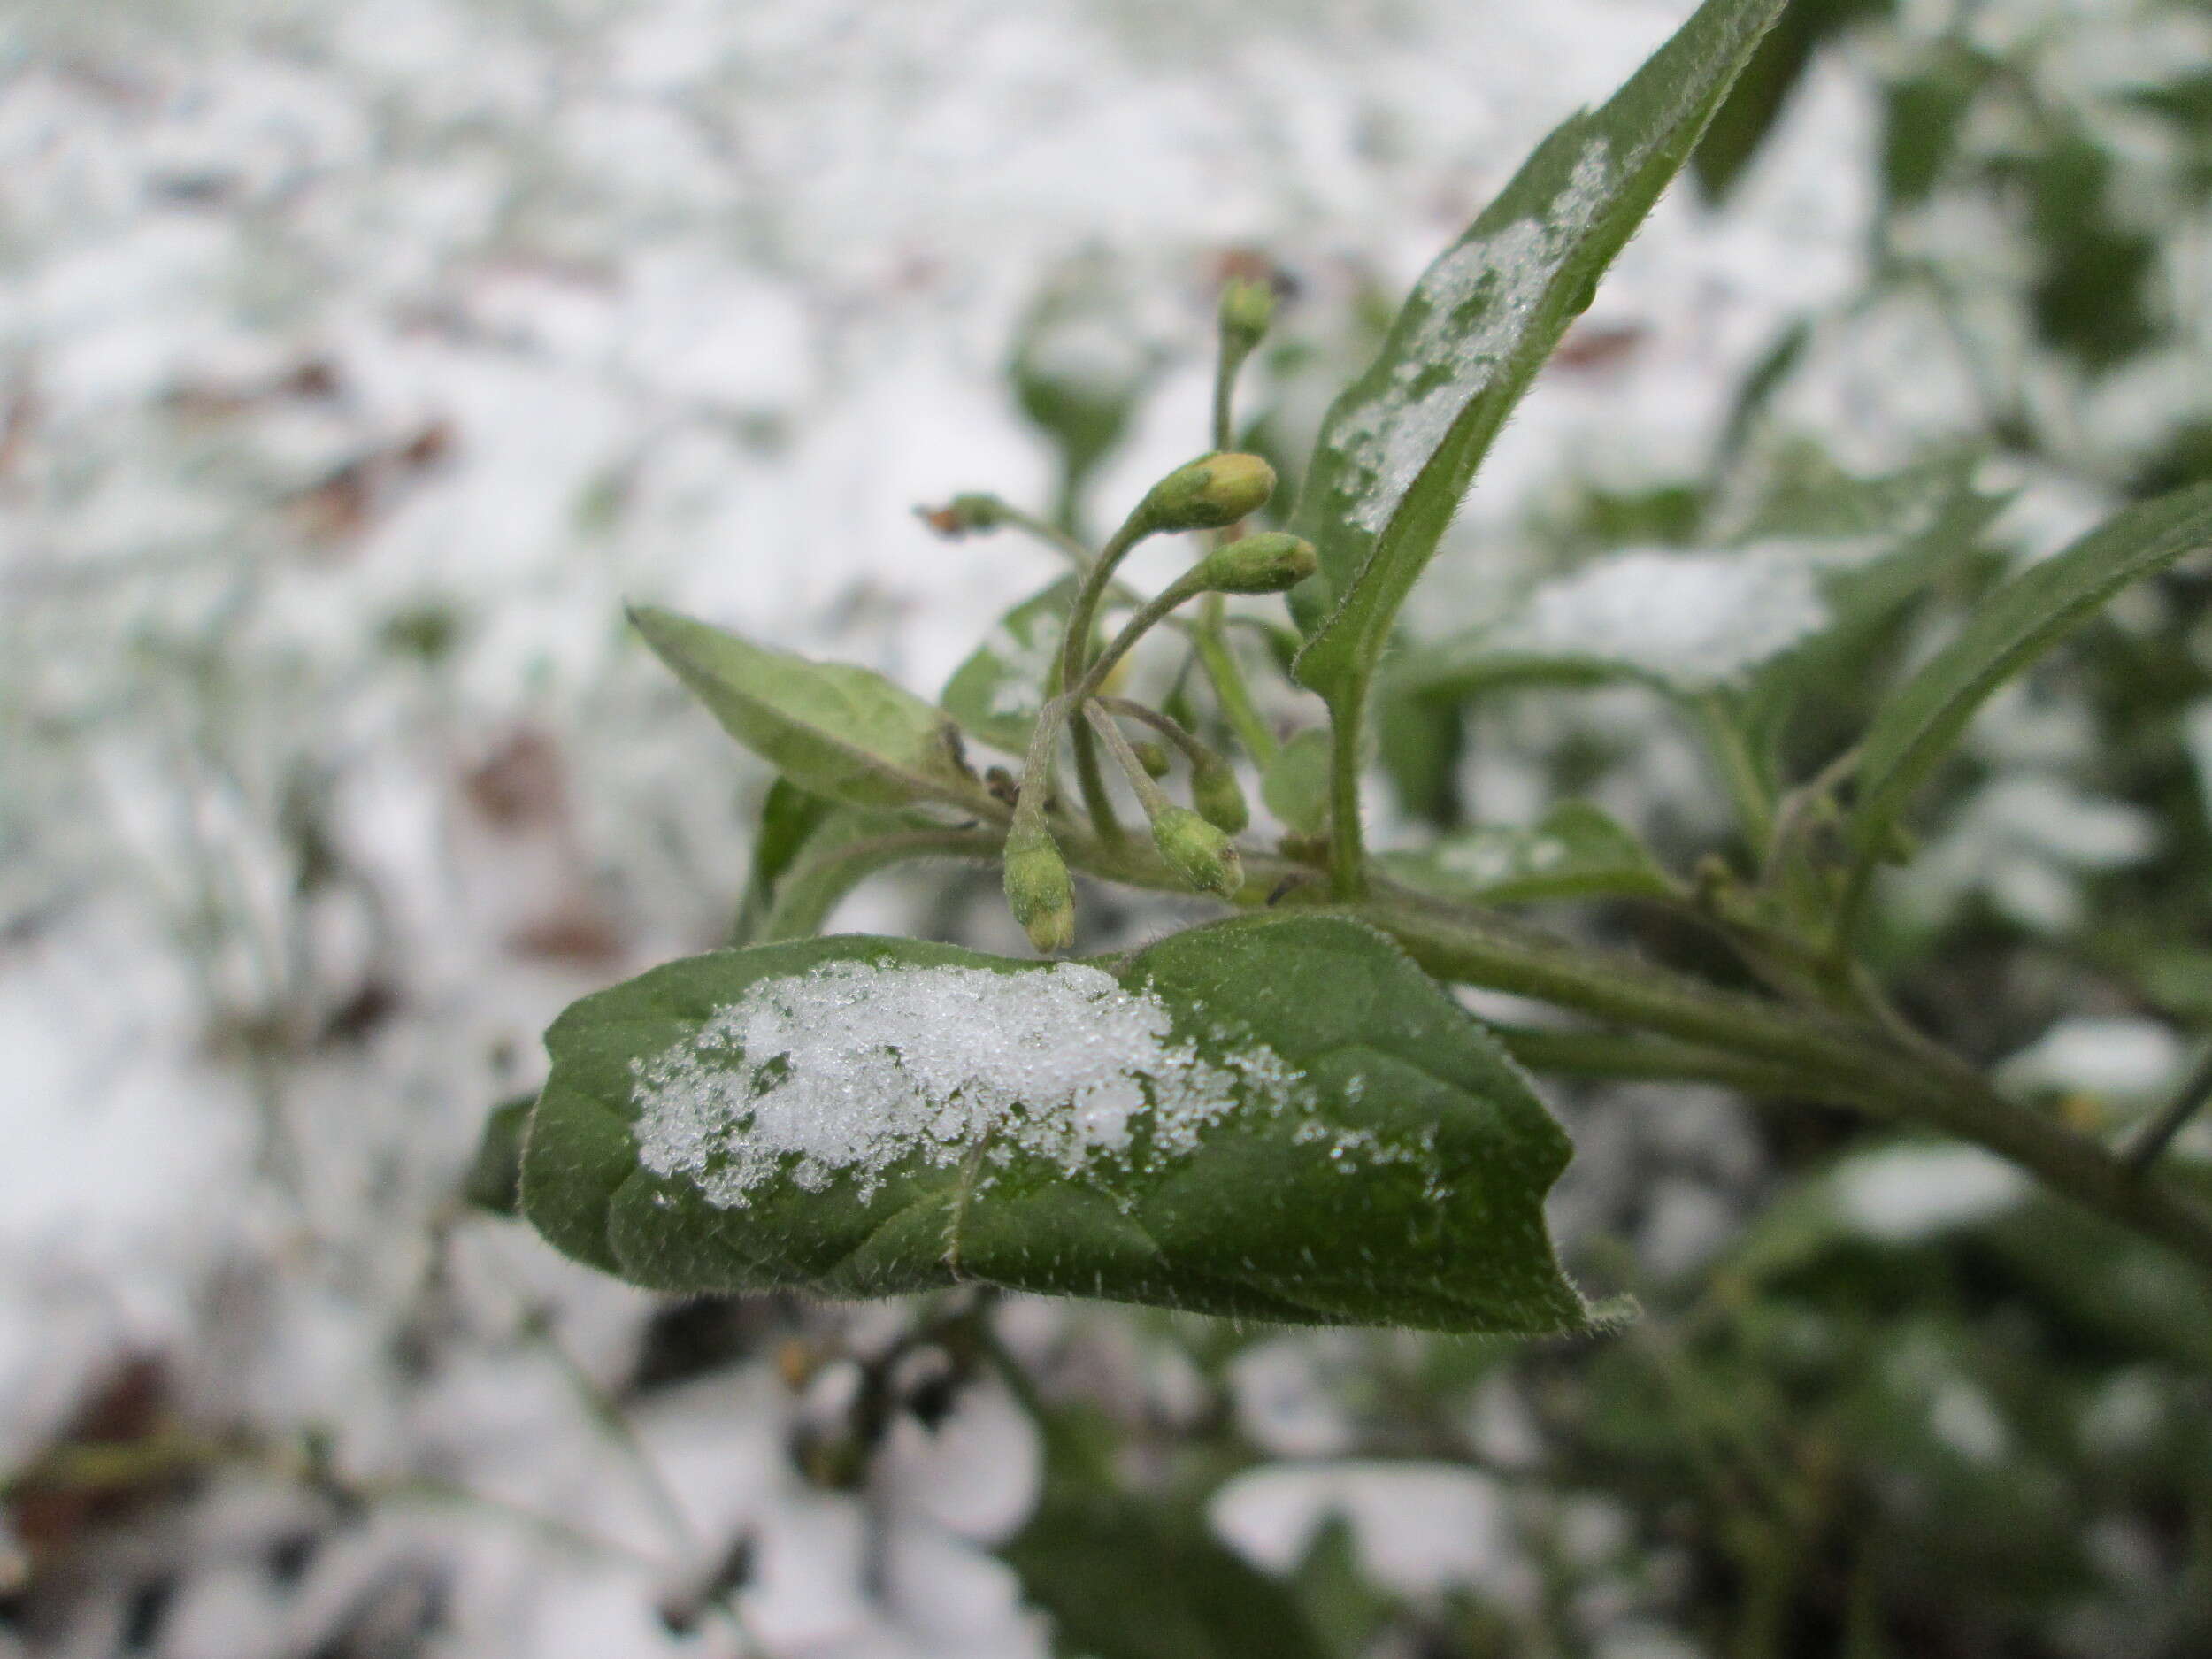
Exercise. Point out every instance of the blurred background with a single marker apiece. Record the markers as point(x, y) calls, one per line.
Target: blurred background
point(357, 362)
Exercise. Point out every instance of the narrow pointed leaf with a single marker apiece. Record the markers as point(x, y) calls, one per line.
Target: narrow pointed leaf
point(1576, 851)
point(835, 730)
point(1401, 446)
point(1278, 1118)
point(2007, 631)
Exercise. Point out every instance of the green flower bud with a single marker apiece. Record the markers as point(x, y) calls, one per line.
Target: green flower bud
point(1038, 889)
point(1198, 852)
point(1153, 757)
point(964, 514)
point(1209, 493)
point(1215, 792)
point(1265, 564)
point(1247, 309)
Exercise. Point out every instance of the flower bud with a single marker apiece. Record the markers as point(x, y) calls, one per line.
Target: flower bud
point(962, 515)
point(1268, 562)
point(1038, 889)
point(1153, 757)
point(1247, 309)
point(1209, 493)
point(1198, 852)
point(1215, 792)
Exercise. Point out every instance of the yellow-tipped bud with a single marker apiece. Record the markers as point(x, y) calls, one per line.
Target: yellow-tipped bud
point(1209, 493)
point(1215, 792)
point(1198, 852)
point(1247, 309)
point(1266, 564)
point(1039, 890)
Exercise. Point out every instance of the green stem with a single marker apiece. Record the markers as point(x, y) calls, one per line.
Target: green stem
point(1740, 771)
point(1185, 741)
point(1181, 591)
point(2159, 1132)
point(1613, 1056)
point(1097, 802)
point(1210, 640)
point(1154, 799)
point(1074, 643)
point(1348, 850)
point(1813, 1054)
point(1050, 534)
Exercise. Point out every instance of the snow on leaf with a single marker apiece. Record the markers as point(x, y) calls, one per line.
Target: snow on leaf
point(1275, 1117)
point(854, 1067)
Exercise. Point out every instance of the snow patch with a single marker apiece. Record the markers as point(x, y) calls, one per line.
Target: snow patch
point(854, 1067)
point(1695, 620)
point(1909, 1193)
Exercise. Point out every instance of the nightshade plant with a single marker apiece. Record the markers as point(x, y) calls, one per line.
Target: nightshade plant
point(1286, 1114)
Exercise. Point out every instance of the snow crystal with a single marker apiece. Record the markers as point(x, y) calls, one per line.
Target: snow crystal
point(853, 1068)
point(1389, 439)
point(1695, 620)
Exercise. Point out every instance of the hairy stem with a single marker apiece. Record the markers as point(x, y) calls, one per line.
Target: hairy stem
point(1176, 733)
point(1347, 849)
point(1209, 638)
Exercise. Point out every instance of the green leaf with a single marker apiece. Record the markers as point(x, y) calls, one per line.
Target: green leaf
point(997, 692)
point(1399, 446)
point(1084, 1554)
point(2008, 630)
point(1576, 852)
point(808, 856)
point(495, 1178)
point(1275, 1117)
point(1756, 102)
point(1819, 556)
point(835, 730)
point(1296, 786)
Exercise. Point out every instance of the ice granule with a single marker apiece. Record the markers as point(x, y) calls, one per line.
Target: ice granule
point(1695, 620)
point(853, 1067)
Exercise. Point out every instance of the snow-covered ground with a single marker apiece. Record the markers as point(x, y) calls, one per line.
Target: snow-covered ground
point(356, 362)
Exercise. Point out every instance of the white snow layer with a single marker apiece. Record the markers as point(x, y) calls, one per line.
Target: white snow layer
point(1695, 620)
point(853, 1068)
point(327, 328)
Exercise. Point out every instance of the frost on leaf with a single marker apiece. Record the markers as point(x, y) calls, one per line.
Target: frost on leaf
point(1277, 1118)
point(854, 1068)
point(1692, 621)
point(1467, 315)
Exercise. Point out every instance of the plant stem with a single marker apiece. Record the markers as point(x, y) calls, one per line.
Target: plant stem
point(1348, 850)
point(1075, 643)
point(1050, 534)
point(1876, 1068)
point(1150, 793)
point(1211, 642)
point(1097, 802)
point(1183, 589)
point(2159, 1133)
point(1176, 733)
point(1740, 771)
point(1861, 1066)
